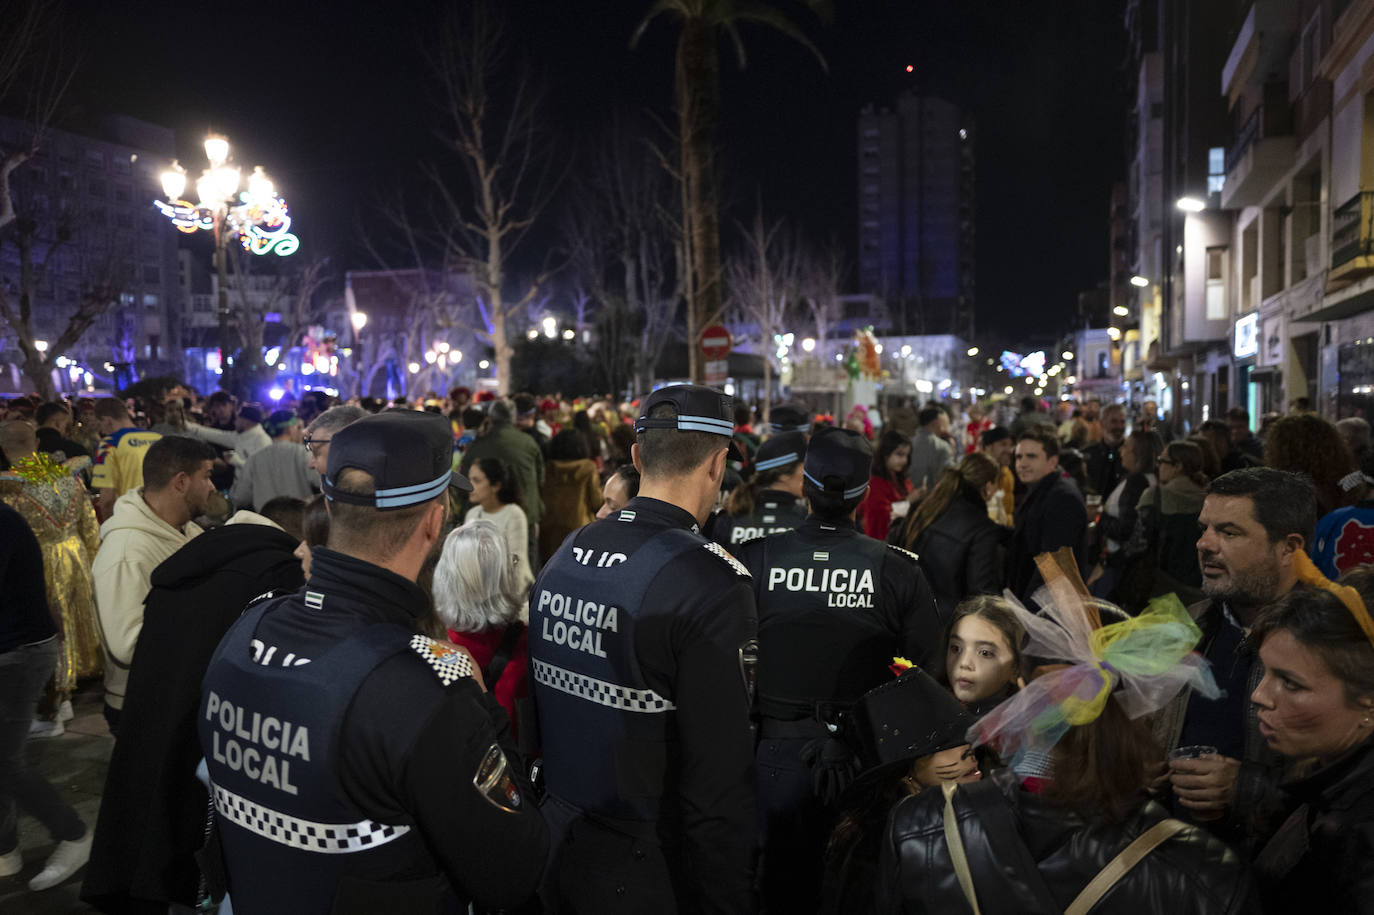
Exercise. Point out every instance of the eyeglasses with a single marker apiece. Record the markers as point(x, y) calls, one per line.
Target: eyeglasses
point(311, 443)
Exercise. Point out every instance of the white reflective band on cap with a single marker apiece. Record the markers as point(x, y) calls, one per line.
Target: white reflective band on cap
point(848, 493)
point(412, 495)
point(324, 838)
point(705, 424)
point(781, 460)
point(599, 691)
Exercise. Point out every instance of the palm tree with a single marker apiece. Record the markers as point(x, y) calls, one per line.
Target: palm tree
point(697, 91)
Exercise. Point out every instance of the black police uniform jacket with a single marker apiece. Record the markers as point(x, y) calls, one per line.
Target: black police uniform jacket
point(641, 631)
point(775, 511)
point(355, 766)
point(835, 606)
point(1191, 873)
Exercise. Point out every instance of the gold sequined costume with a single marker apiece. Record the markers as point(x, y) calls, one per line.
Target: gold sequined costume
point(56, 506)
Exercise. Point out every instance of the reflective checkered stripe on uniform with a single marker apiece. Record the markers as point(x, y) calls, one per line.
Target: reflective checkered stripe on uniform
point(324, 838)
point(599, 691)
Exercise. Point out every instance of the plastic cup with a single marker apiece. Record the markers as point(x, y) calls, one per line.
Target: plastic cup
point(1198, 751)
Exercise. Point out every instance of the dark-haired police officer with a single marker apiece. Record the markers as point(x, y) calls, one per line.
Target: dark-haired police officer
point(834, 608)
point(641, 641)
point(770, 502)
point(357, 765)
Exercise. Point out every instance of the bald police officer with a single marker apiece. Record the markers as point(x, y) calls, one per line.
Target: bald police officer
point(641, 636)
point(358, 765)
point(834, 608)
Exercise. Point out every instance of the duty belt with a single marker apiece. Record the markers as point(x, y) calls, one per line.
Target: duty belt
point(827, 712)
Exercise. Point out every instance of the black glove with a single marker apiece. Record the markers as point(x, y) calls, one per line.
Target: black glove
point(833, 766)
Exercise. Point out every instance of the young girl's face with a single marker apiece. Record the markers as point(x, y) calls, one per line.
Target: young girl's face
point(979, 660)
point(898, 460)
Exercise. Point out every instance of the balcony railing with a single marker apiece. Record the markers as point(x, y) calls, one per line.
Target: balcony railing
point(1352, 229)
point(1271, 119)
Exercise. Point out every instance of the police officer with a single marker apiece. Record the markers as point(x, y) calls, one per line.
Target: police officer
point(787, 417)
point(641, 644)
point(770, 502)
point(359, 766)
point(834, 608)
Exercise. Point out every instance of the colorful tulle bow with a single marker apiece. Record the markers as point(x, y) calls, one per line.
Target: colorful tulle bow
point(1140, 662)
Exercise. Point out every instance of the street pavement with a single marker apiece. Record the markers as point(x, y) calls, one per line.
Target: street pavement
point(75, 764)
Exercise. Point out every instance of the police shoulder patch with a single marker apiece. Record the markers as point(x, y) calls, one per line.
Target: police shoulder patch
point(913, 556)
point(448, 662)
point(732, 562)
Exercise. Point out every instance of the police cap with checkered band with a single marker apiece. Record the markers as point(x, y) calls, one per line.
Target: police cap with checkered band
point(408, 453)
point(696, 409)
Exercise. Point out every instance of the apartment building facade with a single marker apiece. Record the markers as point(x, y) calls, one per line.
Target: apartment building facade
point(89, 194)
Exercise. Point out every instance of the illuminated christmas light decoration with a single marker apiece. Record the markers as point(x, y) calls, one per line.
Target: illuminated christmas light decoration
point(258, 216)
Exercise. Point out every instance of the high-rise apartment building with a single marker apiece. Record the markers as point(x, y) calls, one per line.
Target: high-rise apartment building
point(916, 214)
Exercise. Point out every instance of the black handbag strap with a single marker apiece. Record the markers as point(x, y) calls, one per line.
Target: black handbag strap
point(492, 672)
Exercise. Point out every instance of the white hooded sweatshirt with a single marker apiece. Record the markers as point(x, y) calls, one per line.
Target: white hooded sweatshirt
point(133, 542)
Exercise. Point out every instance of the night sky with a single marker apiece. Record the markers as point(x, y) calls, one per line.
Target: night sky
point(334, 101)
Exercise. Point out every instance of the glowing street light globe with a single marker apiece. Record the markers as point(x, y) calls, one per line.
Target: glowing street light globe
point(359, 320)
point(216, 150)
point(174, 181)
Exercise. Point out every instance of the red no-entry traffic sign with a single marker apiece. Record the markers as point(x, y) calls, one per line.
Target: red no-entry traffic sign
point(715, 342)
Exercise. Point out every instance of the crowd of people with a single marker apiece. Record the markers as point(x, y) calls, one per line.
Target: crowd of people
point(545, 655)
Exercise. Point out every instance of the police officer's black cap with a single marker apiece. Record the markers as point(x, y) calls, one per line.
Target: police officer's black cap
point(779, 451)
point(902, 720)
point(408, 453)
point(786, 417)
point(839, 461)
point(697, 409)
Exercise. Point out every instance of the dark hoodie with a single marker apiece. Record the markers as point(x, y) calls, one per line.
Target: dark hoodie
point(152, 815)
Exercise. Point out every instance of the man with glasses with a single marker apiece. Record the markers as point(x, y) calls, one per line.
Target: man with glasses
point(319, 433)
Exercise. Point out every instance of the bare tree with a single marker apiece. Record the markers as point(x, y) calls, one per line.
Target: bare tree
point(762, 289)
point(491, 122)
point(820, 280)
point(289, 295)
point(624, 235)
point(27, 70)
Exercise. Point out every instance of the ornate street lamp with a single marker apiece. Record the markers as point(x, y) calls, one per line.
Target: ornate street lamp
point(257, 216)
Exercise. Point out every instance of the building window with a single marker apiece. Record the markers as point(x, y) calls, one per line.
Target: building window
point(1216, 169)
point(96, 187)
point(1215, 291)
point(150, 300)
point(1310, 50)
point(95, 158)
point(152, 274)
point(122, 193)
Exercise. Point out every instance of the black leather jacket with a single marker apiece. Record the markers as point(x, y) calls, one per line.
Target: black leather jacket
point(1320, 860)
point(1190, 874)
point(961, 552)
